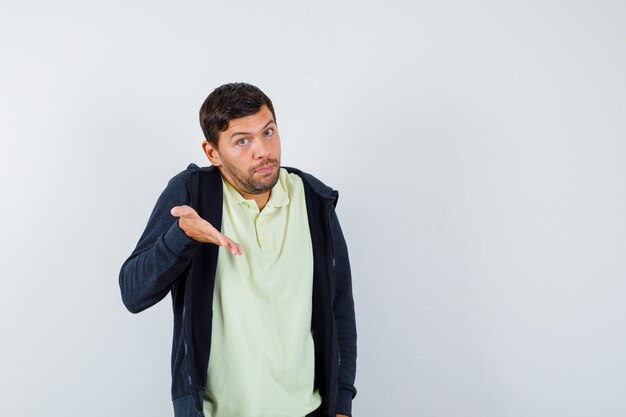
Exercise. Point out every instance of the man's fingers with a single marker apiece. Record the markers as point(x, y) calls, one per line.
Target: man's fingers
point(202, 230)
point(222, 239)
point(233, 247)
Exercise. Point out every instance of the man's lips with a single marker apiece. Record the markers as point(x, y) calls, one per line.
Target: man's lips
point(265, 169)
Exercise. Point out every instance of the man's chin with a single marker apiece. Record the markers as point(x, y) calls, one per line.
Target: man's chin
point(266, 184)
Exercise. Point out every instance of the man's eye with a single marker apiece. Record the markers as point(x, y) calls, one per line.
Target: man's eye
point(269, 132)
point(242, 142)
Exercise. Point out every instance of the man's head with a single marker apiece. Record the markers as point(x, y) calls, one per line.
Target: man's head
point(228, 102)
point(242, 138)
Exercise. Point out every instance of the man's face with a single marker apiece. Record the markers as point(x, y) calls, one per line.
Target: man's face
point(248, 152)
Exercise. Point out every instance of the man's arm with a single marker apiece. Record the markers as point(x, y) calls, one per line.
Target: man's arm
point(343, 309)
point(174, 232)
point(162, 253)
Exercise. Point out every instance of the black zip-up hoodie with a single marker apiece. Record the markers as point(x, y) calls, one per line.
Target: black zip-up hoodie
point(166, 260)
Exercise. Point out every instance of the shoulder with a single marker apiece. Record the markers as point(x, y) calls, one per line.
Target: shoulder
point(315, 184)
point(182, 185)
point(185, 176)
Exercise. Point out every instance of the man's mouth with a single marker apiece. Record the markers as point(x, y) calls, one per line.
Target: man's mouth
point(265, 169)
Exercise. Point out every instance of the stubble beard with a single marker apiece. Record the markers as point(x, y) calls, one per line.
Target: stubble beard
point(247, 182)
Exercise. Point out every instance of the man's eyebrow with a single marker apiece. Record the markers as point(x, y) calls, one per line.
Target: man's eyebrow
point(232, 135)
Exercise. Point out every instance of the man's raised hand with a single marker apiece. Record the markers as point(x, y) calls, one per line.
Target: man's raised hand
point(200, 230)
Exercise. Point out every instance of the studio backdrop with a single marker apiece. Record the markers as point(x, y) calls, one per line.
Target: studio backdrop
point(478, 149)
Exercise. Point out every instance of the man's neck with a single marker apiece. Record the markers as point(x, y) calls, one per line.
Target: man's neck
point(261, 199)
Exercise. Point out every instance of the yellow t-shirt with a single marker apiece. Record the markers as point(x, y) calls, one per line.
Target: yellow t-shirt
point(262, 361)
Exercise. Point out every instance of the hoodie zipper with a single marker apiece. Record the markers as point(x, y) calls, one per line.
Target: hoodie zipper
point(186, 355)
point(334, 357)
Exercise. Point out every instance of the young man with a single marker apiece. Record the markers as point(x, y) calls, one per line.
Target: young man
point(257, 267)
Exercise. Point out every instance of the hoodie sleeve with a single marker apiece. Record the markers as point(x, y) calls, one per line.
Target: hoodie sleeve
point(162, 253)
point(343, 308)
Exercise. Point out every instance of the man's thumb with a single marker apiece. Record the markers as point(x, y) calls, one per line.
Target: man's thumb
point(180, 211)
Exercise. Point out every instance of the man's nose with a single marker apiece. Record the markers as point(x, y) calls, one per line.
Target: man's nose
point(262, 148)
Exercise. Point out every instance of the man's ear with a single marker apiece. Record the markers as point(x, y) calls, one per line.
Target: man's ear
point(211, 152)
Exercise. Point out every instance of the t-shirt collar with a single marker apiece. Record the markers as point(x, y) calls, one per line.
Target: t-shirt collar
point(278, 195)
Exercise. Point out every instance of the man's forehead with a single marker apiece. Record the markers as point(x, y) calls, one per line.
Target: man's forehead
point(260, 118)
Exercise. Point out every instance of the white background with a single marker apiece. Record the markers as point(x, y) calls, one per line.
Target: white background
point(478, 148)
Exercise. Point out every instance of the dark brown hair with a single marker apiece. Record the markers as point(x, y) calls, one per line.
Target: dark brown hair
point(228, 102)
